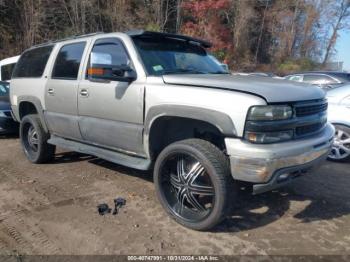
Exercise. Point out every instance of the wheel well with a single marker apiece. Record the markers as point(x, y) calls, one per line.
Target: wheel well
point(26, 108)
point(166, 130)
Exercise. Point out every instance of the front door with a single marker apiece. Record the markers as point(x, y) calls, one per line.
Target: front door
point(111, 112)
point(61, 92)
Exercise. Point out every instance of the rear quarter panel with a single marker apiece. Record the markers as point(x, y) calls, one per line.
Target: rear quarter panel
point(30, 87)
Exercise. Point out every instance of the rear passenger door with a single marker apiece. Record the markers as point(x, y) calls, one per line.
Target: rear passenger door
point(61, 91)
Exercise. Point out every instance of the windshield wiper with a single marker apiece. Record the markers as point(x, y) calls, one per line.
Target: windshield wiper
point(181, 71)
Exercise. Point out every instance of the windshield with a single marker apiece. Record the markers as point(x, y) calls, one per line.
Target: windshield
point(4, 89)
point(172, 56)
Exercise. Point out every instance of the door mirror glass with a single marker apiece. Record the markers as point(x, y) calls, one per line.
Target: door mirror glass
point(100, 58)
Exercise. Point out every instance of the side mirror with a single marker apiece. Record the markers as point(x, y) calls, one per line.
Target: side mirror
point(225, 67)
point(121, 73)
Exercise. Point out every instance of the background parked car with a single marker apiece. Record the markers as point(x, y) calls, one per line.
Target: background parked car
point(6, 67)
point(339, 116)
point(321, 78)
point(7, 124)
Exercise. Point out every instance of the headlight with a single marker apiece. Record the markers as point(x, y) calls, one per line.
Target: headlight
point(268, 137)
point(267, 113)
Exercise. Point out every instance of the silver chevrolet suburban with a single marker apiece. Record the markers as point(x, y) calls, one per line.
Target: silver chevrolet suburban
point(160, 101)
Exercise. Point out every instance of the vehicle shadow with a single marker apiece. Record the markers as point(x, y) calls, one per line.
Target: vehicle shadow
point(10, 136)
point(254, 211)
point(145, 175)
point(70, 157)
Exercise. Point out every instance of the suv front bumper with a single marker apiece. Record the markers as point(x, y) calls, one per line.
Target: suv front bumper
point(272, 165)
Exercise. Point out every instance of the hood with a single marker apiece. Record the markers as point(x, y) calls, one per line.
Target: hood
point(272, 90)
point(5, 103)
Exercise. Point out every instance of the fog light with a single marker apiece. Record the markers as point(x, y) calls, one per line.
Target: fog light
point(268, 137)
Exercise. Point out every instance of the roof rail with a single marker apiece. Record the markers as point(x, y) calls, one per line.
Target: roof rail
point(65, 39)
point(203, 43)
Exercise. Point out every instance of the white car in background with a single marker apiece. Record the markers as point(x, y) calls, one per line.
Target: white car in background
point(6, 67)
point(339, 116)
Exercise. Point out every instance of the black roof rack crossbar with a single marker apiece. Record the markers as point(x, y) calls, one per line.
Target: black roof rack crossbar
point(203, 43)
point(67, 38)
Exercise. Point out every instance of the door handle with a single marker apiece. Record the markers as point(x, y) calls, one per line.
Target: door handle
point(84, 93)
point(51, 91)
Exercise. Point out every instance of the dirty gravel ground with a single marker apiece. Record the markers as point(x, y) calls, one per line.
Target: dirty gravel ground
point(51, 209)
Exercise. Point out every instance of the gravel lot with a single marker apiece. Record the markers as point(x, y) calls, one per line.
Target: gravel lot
point(51, 209)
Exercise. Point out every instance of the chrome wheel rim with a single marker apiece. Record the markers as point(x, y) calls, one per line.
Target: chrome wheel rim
point(187, 187)
point(33, 140)
point(30, 138)
point(341, 145)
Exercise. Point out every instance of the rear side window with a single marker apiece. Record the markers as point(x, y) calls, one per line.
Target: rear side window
point(32, 63)
point(6, 71)
point(68, 61)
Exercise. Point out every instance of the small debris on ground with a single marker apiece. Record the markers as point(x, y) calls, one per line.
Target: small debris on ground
point(118, 203)
point(103, 209)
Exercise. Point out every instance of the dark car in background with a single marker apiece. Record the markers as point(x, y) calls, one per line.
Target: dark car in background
point(7, 124)
point(321, 78)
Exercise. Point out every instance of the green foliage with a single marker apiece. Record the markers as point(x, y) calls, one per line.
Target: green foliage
point(220, 54)
point(296, 65)
point(153, 27)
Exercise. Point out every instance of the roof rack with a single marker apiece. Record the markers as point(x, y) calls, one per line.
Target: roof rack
point(65, 39)
point(203, 43)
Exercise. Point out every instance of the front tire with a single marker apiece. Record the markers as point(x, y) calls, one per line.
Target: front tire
point(341, 146)
point(34, 140)
point(193, 183)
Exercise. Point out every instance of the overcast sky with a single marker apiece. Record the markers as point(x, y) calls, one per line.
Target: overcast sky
point(343, 48)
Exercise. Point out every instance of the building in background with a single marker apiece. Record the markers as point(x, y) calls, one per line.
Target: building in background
point(334, 66)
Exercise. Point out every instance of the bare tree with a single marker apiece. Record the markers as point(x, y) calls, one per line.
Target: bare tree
point(341, 14)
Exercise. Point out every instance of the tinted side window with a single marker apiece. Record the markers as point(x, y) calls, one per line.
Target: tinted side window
point(297, 78)
point(6, 71)
point(68, 61)
point(311, 78)
point(318, 78)
point(343, 77)
point(32, 63)
point(109, 51)
point(4, 89)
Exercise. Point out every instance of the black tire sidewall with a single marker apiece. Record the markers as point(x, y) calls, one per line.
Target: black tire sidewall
point(215, 215)
point(33, 120)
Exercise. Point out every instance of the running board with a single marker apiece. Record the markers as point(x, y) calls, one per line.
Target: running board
point(109, 155)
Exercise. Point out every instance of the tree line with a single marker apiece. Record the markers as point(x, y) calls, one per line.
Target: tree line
point(268, 35)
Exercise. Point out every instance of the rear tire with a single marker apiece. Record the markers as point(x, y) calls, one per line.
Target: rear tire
point(194, 184)
point(34, 140)
point(341, 146)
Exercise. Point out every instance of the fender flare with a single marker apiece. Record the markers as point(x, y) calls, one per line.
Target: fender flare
point(37, 104)
point(218, 119)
